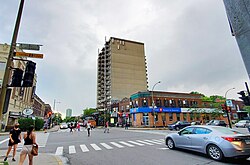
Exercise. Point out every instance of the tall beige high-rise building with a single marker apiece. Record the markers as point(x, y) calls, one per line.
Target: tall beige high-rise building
point(121, 71)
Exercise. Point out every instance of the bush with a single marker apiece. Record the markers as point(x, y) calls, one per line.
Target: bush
point(39, 124)
point(25, 123)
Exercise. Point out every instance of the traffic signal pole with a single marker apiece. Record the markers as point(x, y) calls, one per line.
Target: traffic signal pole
point(9, 61)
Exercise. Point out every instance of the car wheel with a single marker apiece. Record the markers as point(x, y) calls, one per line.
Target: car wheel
point(214, 152)
point(170, 143)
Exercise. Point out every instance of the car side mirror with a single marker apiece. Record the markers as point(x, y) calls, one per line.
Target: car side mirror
point(179, 133)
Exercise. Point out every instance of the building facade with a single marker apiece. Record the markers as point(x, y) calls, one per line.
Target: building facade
point(68, 112)
point(169, 107)
point(121, 71)
point(20, 98)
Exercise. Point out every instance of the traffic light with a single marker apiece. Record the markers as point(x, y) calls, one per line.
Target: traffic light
point(29, 74)
point(244, 98)
point(17, 76)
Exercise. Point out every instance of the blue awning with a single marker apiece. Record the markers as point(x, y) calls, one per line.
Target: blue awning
point(148, 110)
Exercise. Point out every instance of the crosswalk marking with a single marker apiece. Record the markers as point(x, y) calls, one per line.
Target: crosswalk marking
point(145, 142)
point(84, 148)
point(117, 145)
point(150, 141)
point(120, 144)
point(59, 151)
point(139, 144)
point(72, 150)
point(157, 140)
point(106, 146)
point(127, 144)
point(95, 147)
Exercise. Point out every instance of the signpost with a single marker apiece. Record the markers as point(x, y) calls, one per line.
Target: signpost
point(31, 55)
point(29, 46)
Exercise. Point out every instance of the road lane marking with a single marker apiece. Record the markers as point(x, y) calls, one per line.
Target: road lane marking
point(139, 144)
point(159, 141)
point(84, 148)
point(1, 142)
point(145, 142)
point(72, 150)
point(150, 141)
point(59, 151)
point(127, 144)
point(117, 145)
point(106, 146)
point(95, 147)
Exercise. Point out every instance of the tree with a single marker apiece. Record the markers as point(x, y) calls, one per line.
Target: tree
point(247, 108)
point(88, 111)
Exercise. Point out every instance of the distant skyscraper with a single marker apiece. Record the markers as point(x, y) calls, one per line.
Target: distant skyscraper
point(68, 112)
point(121, 71)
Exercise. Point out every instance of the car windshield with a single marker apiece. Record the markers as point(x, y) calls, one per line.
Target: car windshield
point(227, 130)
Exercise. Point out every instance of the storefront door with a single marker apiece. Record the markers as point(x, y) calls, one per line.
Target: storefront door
point(145, 120)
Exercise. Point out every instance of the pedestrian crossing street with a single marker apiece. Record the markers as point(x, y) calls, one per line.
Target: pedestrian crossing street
point(84, 148)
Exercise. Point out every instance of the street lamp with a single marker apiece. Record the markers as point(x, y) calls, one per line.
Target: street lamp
point(228, 119)
point(153, 104)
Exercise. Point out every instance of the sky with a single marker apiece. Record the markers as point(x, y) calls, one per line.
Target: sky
point(188, 45)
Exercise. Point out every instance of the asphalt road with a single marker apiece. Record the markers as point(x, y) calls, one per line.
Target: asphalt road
point(122, 147)
point(119, 147)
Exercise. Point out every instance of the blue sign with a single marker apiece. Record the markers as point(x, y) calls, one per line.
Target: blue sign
point(148, 110)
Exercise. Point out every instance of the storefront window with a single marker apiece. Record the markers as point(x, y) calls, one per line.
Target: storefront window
point(170, 116)
point(184, 116)
point(178, 117)
point(144, 103)
point(158, 103)
point(166, 103)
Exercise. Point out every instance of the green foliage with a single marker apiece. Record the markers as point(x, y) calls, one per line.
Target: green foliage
point(25, 123)
point(195, 92)
point(70, 119)
point(88, 111)
point(206, 99)
point(247, 108)
point(39, 124)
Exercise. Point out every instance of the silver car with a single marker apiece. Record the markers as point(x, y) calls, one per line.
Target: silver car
point(215, 141)
point(242, 123)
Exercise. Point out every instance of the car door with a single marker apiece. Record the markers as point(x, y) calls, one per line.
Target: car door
point(199, 138)
point(183, 139)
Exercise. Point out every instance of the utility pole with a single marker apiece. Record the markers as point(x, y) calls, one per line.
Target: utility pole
point(9, 61)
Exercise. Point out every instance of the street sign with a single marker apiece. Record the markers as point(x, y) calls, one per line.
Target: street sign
point(27, 111)
point(229, 103)
point(31, 55)
point(29, 46)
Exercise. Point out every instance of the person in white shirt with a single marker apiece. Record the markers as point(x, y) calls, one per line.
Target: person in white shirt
point(88, 127)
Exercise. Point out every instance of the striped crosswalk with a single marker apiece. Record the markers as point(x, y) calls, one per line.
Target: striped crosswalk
point(108, 146)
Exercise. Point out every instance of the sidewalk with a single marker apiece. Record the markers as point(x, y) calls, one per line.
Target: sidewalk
point(41, 159)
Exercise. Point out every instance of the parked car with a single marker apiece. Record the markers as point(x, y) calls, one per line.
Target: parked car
point(178, 125)
point(63, 126)
point(218, 123)
point(242, 123)
point(216, 142)
point(196, 123)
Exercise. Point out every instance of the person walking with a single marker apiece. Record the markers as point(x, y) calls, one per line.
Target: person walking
point(29, 139)
point(71, 127)
point(78, 126)
point(106, 127)
point(15, 138)
point(88, 128)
